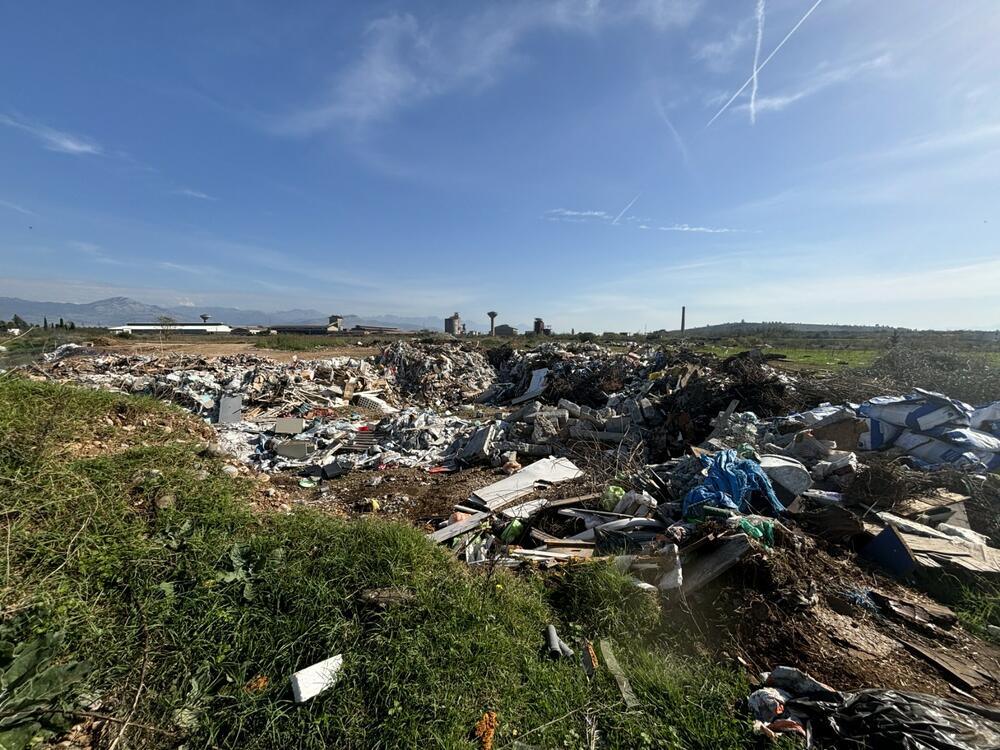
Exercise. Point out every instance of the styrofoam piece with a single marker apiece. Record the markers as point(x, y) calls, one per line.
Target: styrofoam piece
point(309, 682)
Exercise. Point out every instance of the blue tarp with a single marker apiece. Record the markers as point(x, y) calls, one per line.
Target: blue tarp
point(729, 484)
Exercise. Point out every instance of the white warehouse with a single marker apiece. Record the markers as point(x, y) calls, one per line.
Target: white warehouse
point(196, 328)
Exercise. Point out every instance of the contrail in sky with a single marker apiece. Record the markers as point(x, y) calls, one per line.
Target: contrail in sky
point(630, 204)
point(766, 61)
point(756, 60)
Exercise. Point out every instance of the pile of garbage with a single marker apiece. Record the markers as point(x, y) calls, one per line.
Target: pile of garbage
point(737, 489)
point(721, 468)
point(648, 401)
point(266, 388)
point(437, 374)
point(931, 429)
point(586, 374)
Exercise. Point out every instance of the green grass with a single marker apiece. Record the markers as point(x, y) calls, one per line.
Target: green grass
point(978, 608)
point(809, 357)
point(302, 343)
point(179, 609)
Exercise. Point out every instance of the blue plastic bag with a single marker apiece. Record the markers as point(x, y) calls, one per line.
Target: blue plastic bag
point(730, 482)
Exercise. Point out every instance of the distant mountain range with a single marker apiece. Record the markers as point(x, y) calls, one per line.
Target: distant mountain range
point(117, 311)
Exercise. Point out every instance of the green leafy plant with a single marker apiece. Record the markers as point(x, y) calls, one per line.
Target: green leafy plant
point(34, 687)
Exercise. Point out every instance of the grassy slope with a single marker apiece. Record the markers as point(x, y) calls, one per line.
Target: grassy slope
point(194, 601)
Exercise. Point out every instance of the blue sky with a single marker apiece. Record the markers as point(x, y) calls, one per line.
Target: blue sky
point(570, 159)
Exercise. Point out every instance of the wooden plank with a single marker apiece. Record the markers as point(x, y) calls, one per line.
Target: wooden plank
point(540, 554)
point(965, 673)
point(918, 613)
point(977, 558)
point(544, 538)
point(567, 501)
point(915, 506)
point(557, 543)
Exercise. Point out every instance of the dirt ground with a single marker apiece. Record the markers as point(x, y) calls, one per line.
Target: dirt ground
point(400, 493)
point(804, 608)
point(207, 347)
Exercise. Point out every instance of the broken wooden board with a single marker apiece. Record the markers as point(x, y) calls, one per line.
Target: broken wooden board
point(568, 501)
point(543, 537)
point(557, 543)
point(608, 654)
point(916, 613)
point(960, 671)
point(545, 555)
point(457, 529)
point(977, 558)
point(540, 474)
point(917, 505)
point(562, 552)
point(704, 568)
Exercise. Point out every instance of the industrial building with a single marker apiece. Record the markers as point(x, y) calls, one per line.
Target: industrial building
point(505, 330)
point(334, 325)
point(186, 328)
point(361, 330)
point(454, 325)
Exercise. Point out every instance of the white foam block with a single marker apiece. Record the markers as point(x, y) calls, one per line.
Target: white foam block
point(309, 682)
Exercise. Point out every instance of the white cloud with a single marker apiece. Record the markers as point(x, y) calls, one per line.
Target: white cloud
point(759, 15)
point(820, 80)
point(184, 268)
point(965, 286)
point(974, 136)
point(566, 214)
point(758, 68)
point(95, 252)
point(720, 54)
point(54, 140)
point(604, 217)
point(405, 61)
point(188, 192)
point(17, 208)
point(706, 230)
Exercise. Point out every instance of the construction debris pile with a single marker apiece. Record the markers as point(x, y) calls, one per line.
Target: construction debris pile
point(436, 374)
point(586, 374)
point(647, 401)
point(722, 470)
point(267, 388)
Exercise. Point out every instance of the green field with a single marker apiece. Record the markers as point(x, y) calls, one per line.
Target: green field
point(808, 357)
